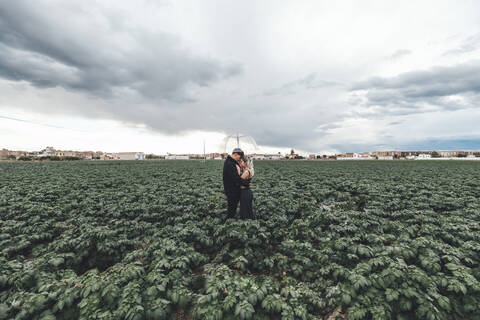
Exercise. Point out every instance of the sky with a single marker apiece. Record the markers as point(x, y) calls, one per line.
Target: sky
point(170, 76)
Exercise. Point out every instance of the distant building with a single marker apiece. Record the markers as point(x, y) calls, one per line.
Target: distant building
point(16, 154)
point(129, 156)
point(274, 156)
point(48, 151)
point(267, 156)
point(177, 157)
point(424, 156)
point(385, 157)
point(213, 156)
point(87, 155)
point(344, 156)
point(393, 154)
point(3, 154)
point(354, 156)
point(69, 153)
point(258, 156)
point(409, 154)
point(365, 155)
point(108, 156)
point(448, 153)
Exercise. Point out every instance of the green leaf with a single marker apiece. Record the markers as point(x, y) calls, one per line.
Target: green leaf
point(346, 299)
point(391, 295)
point(444, 302)
point(244, 310)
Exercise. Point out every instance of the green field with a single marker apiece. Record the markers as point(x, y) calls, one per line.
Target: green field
point(149, 240)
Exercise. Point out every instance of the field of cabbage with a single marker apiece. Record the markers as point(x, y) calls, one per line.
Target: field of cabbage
point(149, 240)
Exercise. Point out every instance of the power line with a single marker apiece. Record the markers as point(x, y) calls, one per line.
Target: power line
point(39, 123)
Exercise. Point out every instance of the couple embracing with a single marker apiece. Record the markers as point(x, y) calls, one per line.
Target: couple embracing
point(237, 175)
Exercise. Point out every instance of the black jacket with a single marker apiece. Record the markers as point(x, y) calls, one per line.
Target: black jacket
point(231, 179)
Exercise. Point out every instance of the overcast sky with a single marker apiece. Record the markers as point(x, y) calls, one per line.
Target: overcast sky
point(317, 76)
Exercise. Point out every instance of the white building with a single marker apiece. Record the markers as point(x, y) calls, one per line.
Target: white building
point(262, 156)
point(385, 157)
point(356, 156)
point(176, 157)
point(258, 156)
point(424, 156)
point(129, 156)
point(274, 156)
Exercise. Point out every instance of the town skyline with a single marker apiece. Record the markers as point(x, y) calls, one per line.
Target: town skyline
point(6, 154)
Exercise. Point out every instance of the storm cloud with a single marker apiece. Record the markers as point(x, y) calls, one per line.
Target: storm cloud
point(433, 90)
point(59, 45)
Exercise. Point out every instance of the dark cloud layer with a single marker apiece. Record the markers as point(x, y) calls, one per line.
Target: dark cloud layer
point(51, 46)
point(437, 89)
point(144, 76)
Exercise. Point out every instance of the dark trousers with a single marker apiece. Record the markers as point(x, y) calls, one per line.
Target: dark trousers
point(246, 207)
point(233, 199)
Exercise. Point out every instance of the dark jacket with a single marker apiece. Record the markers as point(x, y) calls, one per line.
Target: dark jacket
point(231, 179)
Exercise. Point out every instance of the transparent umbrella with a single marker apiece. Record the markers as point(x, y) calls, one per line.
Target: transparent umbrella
point(245, 142)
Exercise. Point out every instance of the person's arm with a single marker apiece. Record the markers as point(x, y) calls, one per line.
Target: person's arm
point(237, 180)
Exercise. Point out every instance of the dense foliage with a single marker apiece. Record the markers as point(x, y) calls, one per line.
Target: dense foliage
point(149, 240)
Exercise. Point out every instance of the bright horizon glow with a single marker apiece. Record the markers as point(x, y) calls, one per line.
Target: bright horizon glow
point(67, 133)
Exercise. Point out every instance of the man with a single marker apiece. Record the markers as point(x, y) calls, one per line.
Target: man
point(232, 181)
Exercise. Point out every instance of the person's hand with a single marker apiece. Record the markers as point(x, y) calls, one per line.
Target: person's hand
point(243, 164)
point(245, 174)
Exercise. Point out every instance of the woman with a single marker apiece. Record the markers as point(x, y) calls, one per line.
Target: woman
point(246, 171)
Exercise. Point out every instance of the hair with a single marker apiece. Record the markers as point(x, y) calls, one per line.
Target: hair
point(249, 163)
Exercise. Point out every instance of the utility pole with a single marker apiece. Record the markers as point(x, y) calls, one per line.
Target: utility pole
point(204, 155)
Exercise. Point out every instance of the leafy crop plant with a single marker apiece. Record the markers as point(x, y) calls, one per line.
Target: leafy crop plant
point(150, 240)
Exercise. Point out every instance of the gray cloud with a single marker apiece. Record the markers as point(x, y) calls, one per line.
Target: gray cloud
point(399, 54)
point(394, 123)
point(467, 45)
point(437, 89)
point(310, 81)
point(76, 52)
point(325, 129)
point(141, 76)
